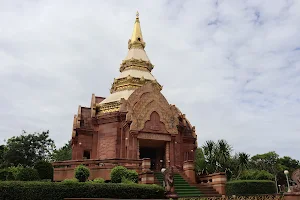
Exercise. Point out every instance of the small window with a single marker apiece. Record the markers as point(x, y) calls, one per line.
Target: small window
point(86, 155)
point(139, 39)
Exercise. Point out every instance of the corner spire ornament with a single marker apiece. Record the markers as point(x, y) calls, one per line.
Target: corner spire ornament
point(137, 40)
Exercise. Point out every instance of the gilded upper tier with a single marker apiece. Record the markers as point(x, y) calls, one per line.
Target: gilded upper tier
point(135, 72)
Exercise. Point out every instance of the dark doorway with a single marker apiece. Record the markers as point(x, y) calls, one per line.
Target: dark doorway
point(147, 152)
point(155, 150)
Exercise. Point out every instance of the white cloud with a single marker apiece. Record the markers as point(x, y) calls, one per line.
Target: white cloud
point(232, 66)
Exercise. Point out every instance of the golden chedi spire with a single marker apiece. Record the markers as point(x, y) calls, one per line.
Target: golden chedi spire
point(135, 72)
point(136, 40)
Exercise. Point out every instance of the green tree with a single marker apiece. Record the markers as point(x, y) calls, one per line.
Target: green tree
point(28, 174)
point(2, 149)
point(254, 174)
point(286, 163)
point(209, 150)
point(199, 161)
point(242, 164)
point(44, 169)
point(217, 156)
point(268, 162)
point(27, 149)
point(222, 155)
point(63, 153)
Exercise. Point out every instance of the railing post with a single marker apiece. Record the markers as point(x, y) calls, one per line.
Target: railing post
point(189, 170)
point(218, 182)
point(147, 176)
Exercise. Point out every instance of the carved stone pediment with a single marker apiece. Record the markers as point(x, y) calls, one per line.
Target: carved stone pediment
point(148, 109)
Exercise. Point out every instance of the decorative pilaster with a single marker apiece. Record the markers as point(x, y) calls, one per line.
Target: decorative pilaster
point(135, 145)
point(172, 151)
point(138, 148)
point(167, 155)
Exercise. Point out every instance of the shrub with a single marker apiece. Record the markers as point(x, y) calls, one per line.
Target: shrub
point(73, 180)
point(127, 181)
point(117, 173)
point(28, 174)
point(18, 190)
point(99, 180)
point(132, 175)
point(5, 174)
point(15, 171)
point(247, 187)
point(44, 169)
point(82, 173)
point(254, 174)
point(10, 173)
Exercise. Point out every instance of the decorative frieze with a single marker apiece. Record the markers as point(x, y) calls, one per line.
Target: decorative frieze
point(109, 107)
point(131, 83)
point(136, 64)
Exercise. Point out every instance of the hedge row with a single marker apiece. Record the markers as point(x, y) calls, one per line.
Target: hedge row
point(58, 191)
point(248, 187)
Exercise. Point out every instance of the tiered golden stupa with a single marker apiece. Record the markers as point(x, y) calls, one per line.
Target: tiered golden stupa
point(135, 72)
point(134, 122)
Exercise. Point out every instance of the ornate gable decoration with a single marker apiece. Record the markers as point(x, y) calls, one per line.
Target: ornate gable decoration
point(143, 102)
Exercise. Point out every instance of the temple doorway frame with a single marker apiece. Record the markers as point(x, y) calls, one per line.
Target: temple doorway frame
point(159, 137)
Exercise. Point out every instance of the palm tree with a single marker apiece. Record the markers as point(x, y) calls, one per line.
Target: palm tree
point(222, 154)
point(243, 161)
point(209, 154)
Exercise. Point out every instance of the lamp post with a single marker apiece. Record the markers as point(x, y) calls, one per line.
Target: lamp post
point(286, 172)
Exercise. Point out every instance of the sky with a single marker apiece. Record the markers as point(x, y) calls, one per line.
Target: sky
point(233, 67)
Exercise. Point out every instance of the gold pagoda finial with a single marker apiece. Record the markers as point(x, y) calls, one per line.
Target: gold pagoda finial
point(136, 40)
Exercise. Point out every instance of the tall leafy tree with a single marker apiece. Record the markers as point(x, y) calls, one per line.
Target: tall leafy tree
point(268, 162)
point(222, 155)
point(63, 153)
point(243, 162)
point(217, 156)
point(209, 150)
point(286, 163)
point(2, 148)
point(27, 149)
point(200, 165)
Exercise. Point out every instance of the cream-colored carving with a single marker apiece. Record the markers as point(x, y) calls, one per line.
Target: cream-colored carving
point(137, 63)
point(74, 126)
point(93, 105)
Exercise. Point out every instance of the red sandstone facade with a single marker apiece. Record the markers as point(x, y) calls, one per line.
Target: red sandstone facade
point(134, 123)
point(164, 135)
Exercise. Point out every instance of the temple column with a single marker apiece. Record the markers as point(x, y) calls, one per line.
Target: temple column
point(138, 149)
point(167, 154)
point(172, 151)
point(135, 146)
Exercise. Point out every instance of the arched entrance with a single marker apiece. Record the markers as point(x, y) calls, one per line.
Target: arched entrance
point(155, 150)
point(155, 146)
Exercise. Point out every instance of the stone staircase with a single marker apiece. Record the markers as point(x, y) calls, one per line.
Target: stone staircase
point(206, 189)
point(184, 189)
